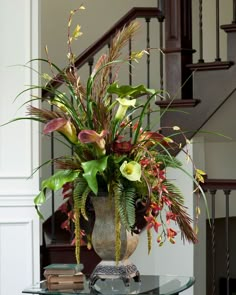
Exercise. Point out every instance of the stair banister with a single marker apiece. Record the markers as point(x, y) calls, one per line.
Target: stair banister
point(83, 58)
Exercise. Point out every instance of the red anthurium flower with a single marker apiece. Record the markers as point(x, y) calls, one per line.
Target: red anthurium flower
point(122, 147)
point(152, 222)
point(170, 216)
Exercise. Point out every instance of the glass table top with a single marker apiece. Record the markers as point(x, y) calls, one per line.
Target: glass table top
point(155, 285)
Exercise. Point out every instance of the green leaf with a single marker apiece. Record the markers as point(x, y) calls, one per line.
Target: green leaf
point(129, 91)
point(91, 168)
point(57, 180)
point(40, 198)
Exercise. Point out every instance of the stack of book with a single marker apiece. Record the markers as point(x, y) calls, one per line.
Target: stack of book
point(64, 276)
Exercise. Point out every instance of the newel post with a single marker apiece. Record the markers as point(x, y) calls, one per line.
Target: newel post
point(178, 48)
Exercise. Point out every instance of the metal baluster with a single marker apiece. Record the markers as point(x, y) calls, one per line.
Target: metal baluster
point(200, 34)
point(213, 193)
point(227, 193)
point(110, 77)
point(90, 63)
point(234, 12)
point(110, 72)
point(53, 194)
point(148, 67)
point(130, 79)
point(161, 56)
point(217, 31)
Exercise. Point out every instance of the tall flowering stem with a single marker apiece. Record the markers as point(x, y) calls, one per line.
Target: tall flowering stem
point(77, 227)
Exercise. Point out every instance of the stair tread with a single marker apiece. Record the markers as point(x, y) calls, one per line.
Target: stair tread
point(178, 103)
point(210, 66)
point(229, 28)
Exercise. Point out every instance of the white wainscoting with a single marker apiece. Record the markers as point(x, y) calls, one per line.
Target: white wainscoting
point(19, 148)
point(19, 249)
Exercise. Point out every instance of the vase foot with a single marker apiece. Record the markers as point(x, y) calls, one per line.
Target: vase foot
point(125, 270)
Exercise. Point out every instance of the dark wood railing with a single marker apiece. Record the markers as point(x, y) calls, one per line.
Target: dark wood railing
point(87, 55)
point(220, 252)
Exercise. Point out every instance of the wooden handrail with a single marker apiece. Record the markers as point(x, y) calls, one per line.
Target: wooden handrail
point(136, 12)
point(223, 184)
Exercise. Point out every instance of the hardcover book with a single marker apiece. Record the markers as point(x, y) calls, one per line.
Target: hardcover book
point(62, 268)
point(60, 279)
point(70, 288)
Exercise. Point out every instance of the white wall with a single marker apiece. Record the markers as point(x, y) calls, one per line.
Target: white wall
point(19, 149)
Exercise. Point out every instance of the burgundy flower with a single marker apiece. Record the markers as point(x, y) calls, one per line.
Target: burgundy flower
point(170, 216)
point(171, 234)
point(61, 125)
point(152, 222)
point(122, 147)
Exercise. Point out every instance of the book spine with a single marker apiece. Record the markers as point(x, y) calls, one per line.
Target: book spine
point(64, 279)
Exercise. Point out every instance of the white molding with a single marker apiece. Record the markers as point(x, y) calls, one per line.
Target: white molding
point(18, 163)
point(29, 264)
point(17, 201)
point(27, 171)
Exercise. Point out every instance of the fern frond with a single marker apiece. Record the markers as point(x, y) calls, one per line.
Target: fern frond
point(183, 219)
point(126, 198)
point(83, 202)
point(130, 195)
point(80, 185)
point(77, 227)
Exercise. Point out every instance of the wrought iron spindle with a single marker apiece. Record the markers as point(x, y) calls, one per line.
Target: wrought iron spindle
point(110, 76)
point(148, 66)
point(217, 31)
point(161, 56)
point(130, 79)
point(90, 64)
point(110, 71)
point(52, 142)
point(227, 193)
point(234, 12)
point(213, 193)
point(200, 33)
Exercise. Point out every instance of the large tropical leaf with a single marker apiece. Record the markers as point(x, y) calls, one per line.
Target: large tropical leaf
point(55, 182)
point(91, 168)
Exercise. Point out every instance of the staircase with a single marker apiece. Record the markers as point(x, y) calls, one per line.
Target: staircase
point(200, 89)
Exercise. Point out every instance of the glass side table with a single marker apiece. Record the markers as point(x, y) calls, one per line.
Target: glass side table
point(155, 285)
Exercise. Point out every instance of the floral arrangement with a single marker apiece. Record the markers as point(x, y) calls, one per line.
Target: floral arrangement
point(112, 149)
